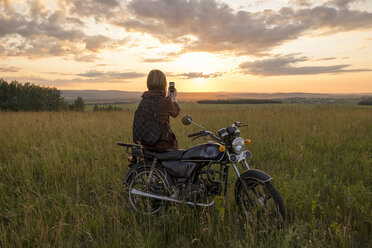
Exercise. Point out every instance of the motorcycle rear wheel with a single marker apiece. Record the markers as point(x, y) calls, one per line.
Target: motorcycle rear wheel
point(268, 205)
point(158, 185)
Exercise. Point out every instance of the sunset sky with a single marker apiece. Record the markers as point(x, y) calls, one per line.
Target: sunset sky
point(202, 45)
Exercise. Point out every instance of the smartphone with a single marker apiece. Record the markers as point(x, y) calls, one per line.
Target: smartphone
point(171, 87)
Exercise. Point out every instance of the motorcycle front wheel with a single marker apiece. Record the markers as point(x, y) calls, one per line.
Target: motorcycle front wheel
point(267, 208)
point(138, 180)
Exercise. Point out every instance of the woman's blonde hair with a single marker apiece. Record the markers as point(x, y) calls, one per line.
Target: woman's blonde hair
point(156, 80)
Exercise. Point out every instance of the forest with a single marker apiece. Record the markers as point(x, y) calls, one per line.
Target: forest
point(16, 96)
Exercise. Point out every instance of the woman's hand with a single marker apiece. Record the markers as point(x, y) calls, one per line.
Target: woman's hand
point(173, 95)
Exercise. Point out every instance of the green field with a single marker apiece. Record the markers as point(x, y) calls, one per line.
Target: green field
point(61, 179)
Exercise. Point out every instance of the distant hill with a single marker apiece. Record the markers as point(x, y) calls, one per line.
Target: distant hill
point(109, 96)
point(239, 101)
point(102, 95)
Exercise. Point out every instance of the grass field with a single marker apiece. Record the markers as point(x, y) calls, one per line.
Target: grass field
point(61, 179)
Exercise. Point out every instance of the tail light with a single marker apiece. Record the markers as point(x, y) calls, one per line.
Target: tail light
point(129, 158)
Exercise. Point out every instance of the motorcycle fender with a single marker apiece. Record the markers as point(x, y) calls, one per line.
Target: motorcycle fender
point(258, 175)
point(253, 174)
point(132, 167)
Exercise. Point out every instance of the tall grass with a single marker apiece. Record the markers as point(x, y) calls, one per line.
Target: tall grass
point(61, 180)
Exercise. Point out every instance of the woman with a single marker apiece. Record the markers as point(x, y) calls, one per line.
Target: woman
point(166, 106)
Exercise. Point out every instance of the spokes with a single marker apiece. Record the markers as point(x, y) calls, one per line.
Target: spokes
point(156, 185)
point(264, 208)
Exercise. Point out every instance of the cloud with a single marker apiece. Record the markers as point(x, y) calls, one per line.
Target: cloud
point(30, 79)
point(57, 73)
point(324, 59)
point(286, 65)
point(302, 3)
point(111, 75)
point(95, 43)
point(90, 78)
point(84, 57)
point(164, 57)
point(36, 30)
point(327, 18)
point(215, 27)
point(191, 75)
point(91, 73)
point(51, 24)
point(99, 65)
point(336, 3)
point(43, 36)
point(342, 3)
point(155, 60)
point(9, 69)
point(4, 3)
point(78, 80)
point(41, 32)
point(98, 9)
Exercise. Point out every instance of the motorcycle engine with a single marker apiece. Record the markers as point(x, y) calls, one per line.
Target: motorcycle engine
point(192, 192)
point(199, 191)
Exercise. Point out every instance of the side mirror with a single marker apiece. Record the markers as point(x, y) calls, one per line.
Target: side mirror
point(186, 120)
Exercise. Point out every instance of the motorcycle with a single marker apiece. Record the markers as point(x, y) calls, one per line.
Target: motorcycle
point(196, 175)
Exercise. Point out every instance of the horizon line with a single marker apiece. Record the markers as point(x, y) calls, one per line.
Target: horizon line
point(235, 92)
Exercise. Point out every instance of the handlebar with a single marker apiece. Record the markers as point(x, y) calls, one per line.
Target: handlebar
point(205, 133)
point(195, 134)
point(239, 124)
point(127, 144)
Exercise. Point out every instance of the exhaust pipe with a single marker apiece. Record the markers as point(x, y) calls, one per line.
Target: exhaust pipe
point(166, 198)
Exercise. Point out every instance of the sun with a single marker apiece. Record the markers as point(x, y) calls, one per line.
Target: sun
point(199, 81)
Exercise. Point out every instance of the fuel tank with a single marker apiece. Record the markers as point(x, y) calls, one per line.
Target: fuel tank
point(203, 152)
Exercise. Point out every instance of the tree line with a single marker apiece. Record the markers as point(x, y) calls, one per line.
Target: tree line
point(16, 96)
point(108, 108)
point(367, 101)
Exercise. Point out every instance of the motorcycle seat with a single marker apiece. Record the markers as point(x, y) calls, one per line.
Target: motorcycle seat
point(164, 155)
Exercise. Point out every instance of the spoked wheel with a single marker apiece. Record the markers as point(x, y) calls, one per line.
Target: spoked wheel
point(268, 207)
point(139, 181)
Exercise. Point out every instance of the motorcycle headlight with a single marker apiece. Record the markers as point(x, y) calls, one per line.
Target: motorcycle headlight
point(238, 145)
